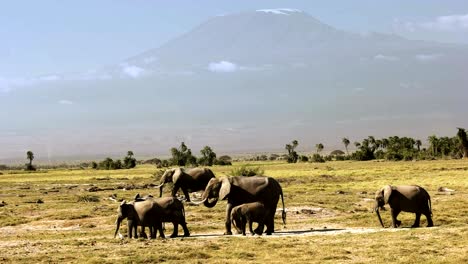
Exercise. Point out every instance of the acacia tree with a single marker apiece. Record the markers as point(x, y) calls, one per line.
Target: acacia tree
point(129, 161)
point(463, 141)
point(418, 144)
point(208, 156)
point(292, 154)
point(183, 156)
point(433, 141)
point(30, 157)
point(319, 147)
point(346, 143)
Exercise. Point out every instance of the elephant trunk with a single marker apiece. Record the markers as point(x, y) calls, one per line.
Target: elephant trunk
point(119, 220)
point(209, 204)
point(376, 209)
point(161, 190)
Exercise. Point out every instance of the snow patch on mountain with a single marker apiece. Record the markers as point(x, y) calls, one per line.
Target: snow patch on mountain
point(280, 11)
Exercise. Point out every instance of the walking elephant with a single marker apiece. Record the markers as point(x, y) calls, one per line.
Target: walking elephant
point(139, 213)
point(189, 180)
point(249, 213)
point(239, 190)
point(152, 213)
point(408, 198)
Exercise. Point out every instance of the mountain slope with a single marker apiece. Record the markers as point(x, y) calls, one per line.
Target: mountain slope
point(245, 81)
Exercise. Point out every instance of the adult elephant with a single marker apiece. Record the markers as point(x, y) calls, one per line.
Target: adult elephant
point(149, 212)
point(406, 198)
point(189, 180)
point(240, 190)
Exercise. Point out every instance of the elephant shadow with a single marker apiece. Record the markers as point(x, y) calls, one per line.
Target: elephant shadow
point(308, 231)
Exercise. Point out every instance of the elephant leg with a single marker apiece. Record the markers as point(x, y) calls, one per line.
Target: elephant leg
point(244, 223)
point(228, 220)
point(250, 227)
point(135, 230)
point(186, 193)
point(142, 232)
point(160, 229)
point(396, 223)
point(175, 189)
point(260, 227)
point(184, 226)
point(130, 228)
point(175, 233)
point(429, 219)
point(416, 221)
point(269, 222)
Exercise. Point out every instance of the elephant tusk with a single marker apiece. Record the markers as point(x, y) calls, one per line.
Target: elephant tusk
point(200, 202)
point(158, 186)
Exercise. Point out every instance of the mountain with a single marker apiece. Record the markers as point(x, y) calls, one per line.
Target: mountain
point(249, 81)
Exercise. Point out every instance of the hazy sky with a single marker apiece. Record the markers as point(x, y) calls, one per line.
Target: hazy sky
point(46, 37)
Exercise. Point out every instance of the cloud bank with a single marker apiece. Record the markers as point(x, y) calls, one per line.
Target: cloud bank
point(449, 23)
point(65, 102)
point(386, 57)
point(132, 71)
point(222, 66)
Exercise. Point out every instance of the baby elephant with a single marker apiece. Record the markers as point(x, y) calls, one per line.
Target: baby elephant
point(406, 198)
point(249, 212)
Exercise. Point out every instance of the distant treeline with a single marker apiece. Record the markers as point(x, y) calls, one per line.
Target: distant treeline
point(392, 148)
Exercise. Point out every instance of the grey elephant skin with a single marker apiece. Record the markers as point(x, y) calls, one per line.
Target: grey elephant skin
point(239, 190)
point(406, 198)
point(151, 213)
point(189, 180)
point(249, 213)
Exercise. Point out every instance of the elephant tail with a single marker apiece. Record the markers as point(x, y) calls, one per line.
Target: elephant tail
point(430, 205)
point(283, 213)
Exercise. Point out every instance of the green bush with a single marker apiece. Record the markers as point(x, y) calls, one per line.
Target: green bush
point(317, 158)
point(245, 170)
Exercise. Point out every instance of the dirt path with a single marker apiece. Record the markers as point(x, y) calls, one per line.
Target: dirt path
point(311, 232)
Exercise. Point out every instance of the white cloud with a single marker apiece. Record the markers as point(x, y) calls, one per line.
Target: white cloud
point(450, 23)
point(427, 57)
point(132, 70)
point(223, 66)
point(7, 85)
point(65, 102)
point(386, 57)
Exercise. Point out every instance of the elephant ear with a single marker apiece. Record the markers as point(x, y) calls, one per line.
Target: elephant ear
point(176, 175)
point(225, 188)
point(387, 191)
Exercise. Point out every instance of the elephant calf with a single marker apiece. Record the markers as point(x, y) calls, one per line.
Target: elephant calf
point(407, 198)
point(249, 212)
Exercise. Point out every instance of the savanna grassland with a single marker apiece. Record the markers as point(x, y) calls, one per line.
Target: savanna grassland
point(329, 206)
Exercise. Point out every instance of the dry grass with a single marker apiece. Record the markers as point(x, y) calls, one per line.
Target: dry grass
point(331, 203)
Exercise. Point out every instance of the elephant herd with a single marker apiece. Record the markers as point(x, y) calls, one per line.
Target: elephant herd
point(249, 199)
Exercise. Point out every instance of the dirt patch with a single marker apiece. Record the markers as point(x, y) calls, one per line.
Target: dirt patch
point(307, 211)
